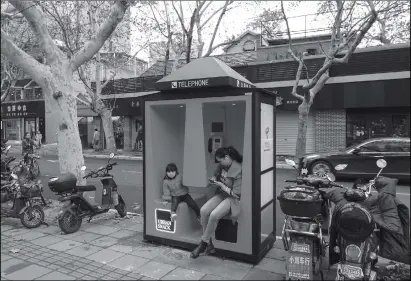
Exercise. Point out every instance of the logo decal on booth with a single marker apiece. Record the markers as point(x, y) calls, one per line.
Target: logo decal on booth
point(190, 83)
point(163, 221)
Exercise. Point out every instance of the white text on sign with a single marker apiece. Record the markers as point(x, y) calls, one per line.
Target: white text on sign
point(164, 225)
point(190, 83)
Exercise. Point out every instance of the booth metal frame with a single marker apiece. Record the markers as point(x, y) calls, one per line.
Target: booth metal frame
point(259, 96)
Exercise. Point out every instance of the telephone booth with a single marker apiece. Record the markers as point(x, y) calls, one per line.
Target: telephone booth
point(200, 107)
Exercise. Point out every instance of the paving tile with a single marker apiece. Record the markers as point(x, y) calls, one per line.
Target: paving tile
point(123, 233)
point(64, 270)
point(5, 227)
point(115, 275)
point(56, 276)
point(258, 274)
point(29, 236)
point(12, 265)
point(47, 240)
point(87, 277)
point(147, 251)
point(124, 247)
point(83, 270)
point(101, 229)
point(105, 256)
point(52, 229)
point(86, 237)
point(272, 265)
point(135, 276)
point(129, 262)
point(104, 242)
point(5, 257)
point(147, 278)
point(213, 277)
point(278, 254)
point(177, 257)
point(15, 232)
point(28, 273)
point(64, 245)
point(184, 274)
point(84, 250)
point(77, 274)
point(155, 270)
point(219, 267)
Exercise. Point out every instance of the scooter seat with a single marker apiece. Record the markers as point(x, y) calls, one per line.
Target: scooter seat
point(86, 188)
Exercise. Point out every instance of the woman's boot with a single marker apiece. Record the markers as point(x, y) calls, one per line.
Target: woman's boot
point(199, 250)
point(210, 248)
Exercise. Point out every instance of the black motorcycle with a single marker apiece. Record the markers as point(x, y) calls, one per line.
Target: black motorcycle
point(76, 207)
point(354, 240)
point(5, 162)
point(305, 212)
point(17, 201)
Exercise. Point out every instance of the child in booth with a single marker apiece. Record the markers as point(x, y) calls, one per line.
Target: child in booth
point(173, 185)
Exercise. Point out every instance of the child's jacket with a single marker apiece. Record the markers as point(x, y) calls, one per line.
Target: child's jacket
point(174, 187)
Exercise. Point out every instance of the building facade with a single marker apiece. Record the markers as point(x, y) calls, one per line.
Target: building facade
point(368, 97)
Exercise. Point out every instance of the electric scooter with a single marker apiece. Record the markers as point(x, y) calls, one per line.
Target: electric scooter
point(76, 207)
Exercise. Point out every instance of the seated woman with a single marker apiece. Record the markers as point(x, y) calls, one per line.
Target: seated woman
point(227, 177)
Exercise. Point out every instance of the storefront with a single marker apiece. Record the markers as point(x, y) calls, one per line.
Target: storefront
point(18, 118)
point(287, 123)
point(126, 115)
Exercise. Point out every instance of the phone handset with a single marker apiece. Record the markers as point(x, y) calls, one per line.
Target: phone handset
point(214, 143)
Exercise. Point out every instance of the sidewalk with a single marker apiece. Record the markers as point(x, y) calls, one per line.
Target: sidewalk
point(51, 150)
point(112, 248)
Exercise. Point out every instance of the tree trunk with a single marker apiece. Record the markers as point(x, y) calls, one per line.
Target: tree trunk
point(167, 57)
point(188, 51)
point(303, 110)
point(108, 130)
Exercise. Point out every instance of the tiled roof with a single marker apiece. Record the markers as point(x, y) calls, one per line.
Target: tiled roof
point(230, 59)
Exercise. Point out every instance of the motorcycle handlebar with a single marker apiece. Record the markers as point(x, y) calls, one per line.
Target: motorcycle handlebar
point(95, 174)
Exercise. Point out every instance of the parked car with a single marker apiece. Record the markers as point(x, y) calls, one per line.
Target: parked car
point(359, 160)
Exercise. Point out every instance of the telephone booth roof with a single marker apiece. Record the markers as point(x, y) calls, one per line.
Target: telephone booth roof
point(203, 73)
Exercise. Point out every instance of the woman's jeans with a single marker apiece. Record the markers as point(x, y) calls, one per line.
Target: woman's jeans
point(211, 213)
point(175, 200)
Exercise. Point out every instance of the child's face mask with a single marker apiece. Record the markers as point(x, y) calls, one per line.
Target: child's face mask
point(171, 174)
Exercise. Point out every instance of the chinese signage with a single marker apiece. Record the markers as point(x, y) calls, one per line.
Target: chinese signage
point(190, 83)
point(163, 221)
point(299, 267)
point(124, 106)
point(302, 248)
point(23, 109)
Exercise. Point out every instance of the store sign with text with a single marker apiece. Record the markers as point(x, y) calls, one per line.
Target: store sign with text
point(124, 106)
point(299, 267)
point(23, 109)
point(163, 221)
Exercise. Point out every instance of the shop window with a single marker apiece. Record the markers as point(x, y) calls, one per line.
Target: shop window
point(398, 146)
point(399, 126)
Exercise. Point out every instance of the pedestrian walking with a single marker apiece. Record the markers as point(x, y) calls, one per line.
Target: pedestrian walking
point(96, 140)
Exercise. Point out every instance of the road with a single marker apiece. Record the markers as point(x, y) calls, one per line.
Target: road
point(129, 177)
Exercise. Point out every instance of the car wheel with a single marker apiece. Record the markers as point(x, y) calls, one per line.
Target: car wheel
point(321, 168)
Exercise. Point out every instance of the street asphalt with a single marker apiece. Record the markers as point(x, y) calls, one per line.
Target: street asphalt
point(129, 177)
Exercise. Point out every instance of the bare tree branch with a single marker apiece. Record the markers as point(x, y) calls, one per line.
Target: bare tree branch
point(297, 81)
point(38, 23)
point(20, 58)
point(106, 29)
point(210, 47)
point(180, 17)
point(157, 22)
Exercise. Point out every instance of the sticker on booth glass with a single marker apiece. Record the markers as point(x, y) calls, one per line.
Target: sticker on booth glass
point(163, 221)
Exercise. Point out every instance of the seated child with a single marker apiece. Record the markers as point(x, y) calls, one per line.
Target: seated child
point(173, 185)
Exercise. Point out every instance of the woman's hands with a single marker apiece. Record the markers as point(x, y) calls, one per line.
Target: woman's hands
point(224, 187)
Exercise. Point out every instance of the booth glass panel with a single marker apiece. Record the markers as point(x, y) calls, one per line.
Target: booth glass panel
point(267, 170)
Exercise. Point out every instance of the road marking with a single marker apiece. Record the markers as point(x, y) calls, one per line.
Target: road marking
point(407, 194)
point(135, 172)
point(53, 161)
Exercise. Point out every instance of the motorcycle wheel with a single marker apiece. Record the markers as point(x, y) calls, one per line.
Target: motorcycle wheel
point(37, 217)
point(69, 222)
point(35, 169)
point(121, 207)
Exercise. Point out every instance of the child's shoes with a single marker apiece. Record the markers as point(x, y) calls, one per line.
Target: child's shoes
point(199, 219)
point(173, 217)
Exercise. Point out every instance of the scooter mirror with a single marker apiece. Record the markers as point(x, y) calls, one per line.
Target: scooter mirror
point(330, 177)
point(14, 176)
point(83, 168)
point(8, 147)
point(290, 162)
point(381, 163)
point(111, 155)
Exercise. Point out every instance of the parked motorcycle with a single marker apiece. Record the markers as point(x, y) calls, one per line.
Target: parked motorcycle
point(76, 207)
point(6, 160)
point(32, 164)
point(354, 236)
point(17, 202)
point(305, 211)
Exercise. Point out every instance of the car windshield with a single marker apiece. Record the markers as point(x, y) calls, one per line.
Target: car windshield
point(350, 147)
